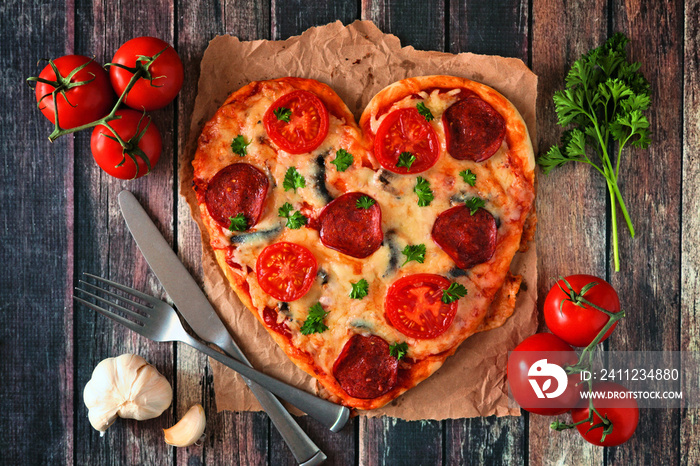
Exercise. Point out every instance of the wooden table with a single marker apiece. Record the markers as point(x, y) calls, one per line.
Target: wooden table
point(60, 218)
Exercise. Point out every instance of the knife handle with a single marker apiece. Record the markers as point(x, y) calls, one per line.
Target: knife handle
point(303, 448)
point(329, 414)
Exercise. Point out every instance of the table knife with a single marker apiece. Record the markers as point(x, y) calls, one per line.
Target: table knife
point(195, 308)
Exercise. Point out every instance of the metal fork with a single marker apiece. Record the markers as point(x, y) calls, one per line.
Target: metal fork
point(160, 322)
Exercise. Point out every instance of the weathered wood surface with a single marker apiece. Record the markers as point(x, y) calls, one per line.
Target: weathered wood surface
point(60, 219)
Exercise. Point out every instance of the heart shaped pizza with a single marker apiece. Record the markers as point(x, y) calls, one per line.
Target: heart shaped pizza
point(368, 252)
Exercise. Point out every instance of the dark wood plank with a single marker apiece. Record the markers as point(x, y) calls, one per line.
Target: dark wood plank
point(649, 277)
point(37, 397)
point(690, 228)
point(292, 17)
point(390, 441)
point(417, 23)
point(104, 246)
point(485, 440)
point(491, 29)
point(571, 200)
point(340, 448)
point(232, 438)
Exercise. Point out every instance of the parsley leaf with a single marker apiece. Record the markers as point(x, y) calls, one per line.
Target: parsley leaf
point(282, 113)
point(359, 289)
point(398, 350)
point(422, 189)
point(425, 111)
point(314, 320)
point(239, 146)
point(453, 293)
point(294, 220)
point(603, 105)
point(414, 253)
point(406, 159)
point(468, 176)
point(474, 204)
point(293, 180)
point(238, 223)
point(343, 159)
point(365, 202)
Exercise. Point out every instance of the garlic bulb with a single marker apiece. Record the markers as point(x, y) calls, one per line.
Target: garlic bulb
point(189, 429)
point(128, 387)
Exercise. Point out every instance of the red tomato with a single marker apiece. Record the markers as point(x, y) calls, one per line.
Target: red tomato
point(286, 271)
point(524, 357)
point(118, 161)
point(166, 73)
point(86, 103)
point(579, 324)
point(622, 411)
point(307, 125)
point(414, 306)
point(405, 130)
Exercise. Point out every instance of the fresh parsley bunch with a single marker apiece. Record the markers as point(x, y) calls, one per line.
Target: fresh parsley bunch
point(603, 105)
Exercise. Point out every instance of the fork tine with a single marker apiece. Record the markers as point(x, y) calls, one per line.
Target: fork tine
point(126, 289)
point(119, 319)
point(117, 296)
point(126, 311)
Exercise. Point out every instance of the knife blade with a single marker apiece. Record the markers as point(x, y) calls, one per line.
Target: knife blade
point(195, 308)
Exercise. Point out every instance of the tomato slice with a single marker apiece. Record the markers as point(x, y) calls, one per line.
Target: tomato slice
point(405, 130)
point(307, 126)
point(286, 271)
point(414, 306)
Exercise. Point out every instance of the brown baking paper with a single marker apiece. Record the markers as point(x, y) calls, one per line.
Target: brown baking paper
point(357, 61)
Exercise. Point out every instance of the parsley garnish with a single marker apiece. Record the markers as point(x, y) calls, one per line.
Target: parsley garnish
point(293, 180)
point(603, 101)
point(238, 223)
point(343, 159)
point(453, 293)
point(468, 176)
point(282, 113)
point(239, 146)
point(359, 289)
point(425, 111)
point(398, 350)
point(474, 204)
point(365, 202)
point(422, 189)
point(294, 220)
point(414, 253)
point(406, 159)
point(314, 320)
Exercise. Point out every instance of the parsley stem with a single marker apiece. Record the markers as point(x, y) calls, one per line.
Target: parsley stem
point(613, 215)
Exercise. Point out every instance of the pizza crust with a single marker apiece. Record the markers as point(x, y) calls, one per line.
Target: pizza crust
point(508, 178)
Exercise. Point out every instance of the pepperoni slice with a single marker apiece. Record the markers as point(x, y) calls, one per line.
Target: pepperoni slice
point(468, 239)
point(414, 306)
point(238, 188)
point(365, 368)
point(405, 130)
point(350, 229)
point(474, 130)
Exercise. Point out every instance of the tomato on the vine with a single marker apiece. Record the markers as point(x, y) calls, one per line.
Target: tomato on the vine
point(78, 104)
point(143, 145)
point(619, 408)
point(575, 322)
point(162, 80)
point(522, 365)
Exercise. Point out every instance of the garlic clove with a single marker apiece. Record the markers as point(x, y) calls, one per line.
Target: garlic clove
point(189, 429)
point(125, 386)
